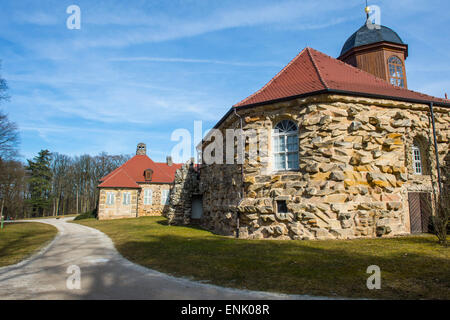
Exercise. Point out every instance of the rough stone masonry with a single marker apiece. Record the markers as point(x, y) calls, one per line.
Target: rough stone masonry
point(354, 175)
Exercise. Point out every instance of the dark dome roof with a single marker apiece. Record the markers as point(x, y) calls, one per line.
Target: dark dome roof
point(368, 36)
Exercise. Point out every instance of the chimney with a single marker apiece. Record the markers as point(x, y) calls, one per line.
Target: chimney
point(169, 161)
point(141, 149)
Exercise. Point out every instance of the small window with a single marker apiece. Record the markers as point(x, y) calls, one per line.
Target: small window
point(396, 76)
point(165, 197)
point(148, 196)
point(110, 198)
point(282, 207)
point(285, 146)
point(148, 173)
point(126, 198)
point(417, 160)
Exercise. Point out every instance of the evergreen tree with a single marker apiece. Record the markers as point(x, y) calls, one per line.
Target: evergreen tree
point(40, 182)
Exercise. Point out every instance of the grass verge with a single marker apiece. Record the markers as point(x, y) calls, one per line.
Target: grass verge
point(413, 267)
point(49, 217)
point(20, 240)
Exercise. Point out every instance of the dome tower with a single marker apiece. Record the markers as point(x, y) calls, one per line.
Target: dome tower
point(378, 50)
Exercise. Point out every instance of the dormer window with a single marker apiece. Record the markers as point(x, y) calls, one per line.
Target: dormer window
point(396, 76)
point(148, 173)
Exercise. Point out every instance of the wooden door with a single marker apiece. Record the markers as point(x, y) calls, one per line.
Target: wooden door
point(419, 211)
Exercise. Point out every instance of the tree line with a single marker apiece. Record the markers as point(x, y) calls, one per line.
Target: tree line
point(51, 183)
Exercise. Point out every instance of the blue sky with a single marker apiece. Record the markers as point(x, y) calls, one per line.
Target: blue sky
point(137, 70)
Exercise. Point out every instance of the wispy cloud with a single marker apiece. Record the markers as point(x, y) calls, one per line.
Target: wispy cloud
point(38, 18)
point(186, 60)
point(157, 27)
point(139, 69)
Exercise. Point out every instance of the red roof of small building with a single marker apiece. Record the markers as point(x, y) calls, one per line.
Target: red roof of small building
point(131, 173)
point(119, 178)
point(313, 71)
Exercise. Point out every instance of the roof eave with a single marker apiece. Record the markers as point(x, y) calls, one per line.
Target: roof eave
point(344, 92)
point(333, 91)
point(392, 45)
point(127, 187)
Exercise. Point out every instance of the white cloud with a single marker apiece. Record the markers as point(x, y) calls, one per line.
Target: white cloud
point(186, 60)
point(157, 27)
point(38, 18)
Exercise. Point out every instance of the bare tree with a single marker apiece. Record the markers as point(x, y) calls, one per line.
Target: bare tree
point(3, 87)
point(61, 169)
point(441, 217)
point(75, 180)
point(9, 137)
point(12, 188)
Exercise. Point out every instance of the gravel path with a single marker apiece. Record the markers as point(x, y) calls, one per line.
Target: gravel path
point(105, 274)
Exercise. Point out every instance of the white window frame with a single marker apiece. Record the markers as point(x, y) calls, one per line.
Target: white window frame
point(148, 197)
point(165, 195)
point(110, 198)
point(417, 160)
point(126, 198)
point(276, 134)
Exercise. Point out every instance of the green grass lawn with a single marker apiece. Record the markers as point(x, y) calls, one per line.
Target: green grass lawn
point(19, 240)
point(411, 267)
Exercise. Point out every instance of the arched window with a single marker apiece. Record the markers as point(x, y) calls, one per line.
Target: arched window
point(417, 160)
point(420, 153)
point(285, 145)
point(396, 76)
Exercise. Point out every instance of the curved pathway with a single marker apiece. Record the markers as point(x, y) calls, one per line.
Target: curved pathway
point(105, 274)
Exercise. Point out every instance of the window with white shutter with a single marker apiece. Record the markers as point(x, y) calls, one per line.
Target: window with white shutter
point(148, 196)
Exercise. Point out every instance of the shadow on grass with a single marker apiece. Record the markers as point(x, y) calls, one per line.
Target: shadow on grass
point(313, 267)
point(20, 240)
point(189, 226)
point(411, 267)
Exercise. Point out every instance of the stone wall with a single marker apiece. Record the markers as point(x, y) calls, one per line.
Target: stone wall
point(118, 210)
point(136, 208)
point(221, 188)
point(354, 176)
point(186, 185)
point(156, 208)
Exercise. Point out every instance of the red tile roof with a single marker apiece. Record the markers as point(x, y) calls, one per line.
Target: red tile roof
point(119, 178)
point(312, 71)
point(132, 172)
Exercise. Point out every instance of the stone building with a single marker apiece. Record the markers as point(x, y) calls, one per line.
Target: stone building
point(349, 150)
point(140, 187)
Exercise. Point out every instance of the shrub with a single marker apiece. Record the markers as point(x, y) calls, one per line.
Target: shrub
point(441, 217)
point(87, 215)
